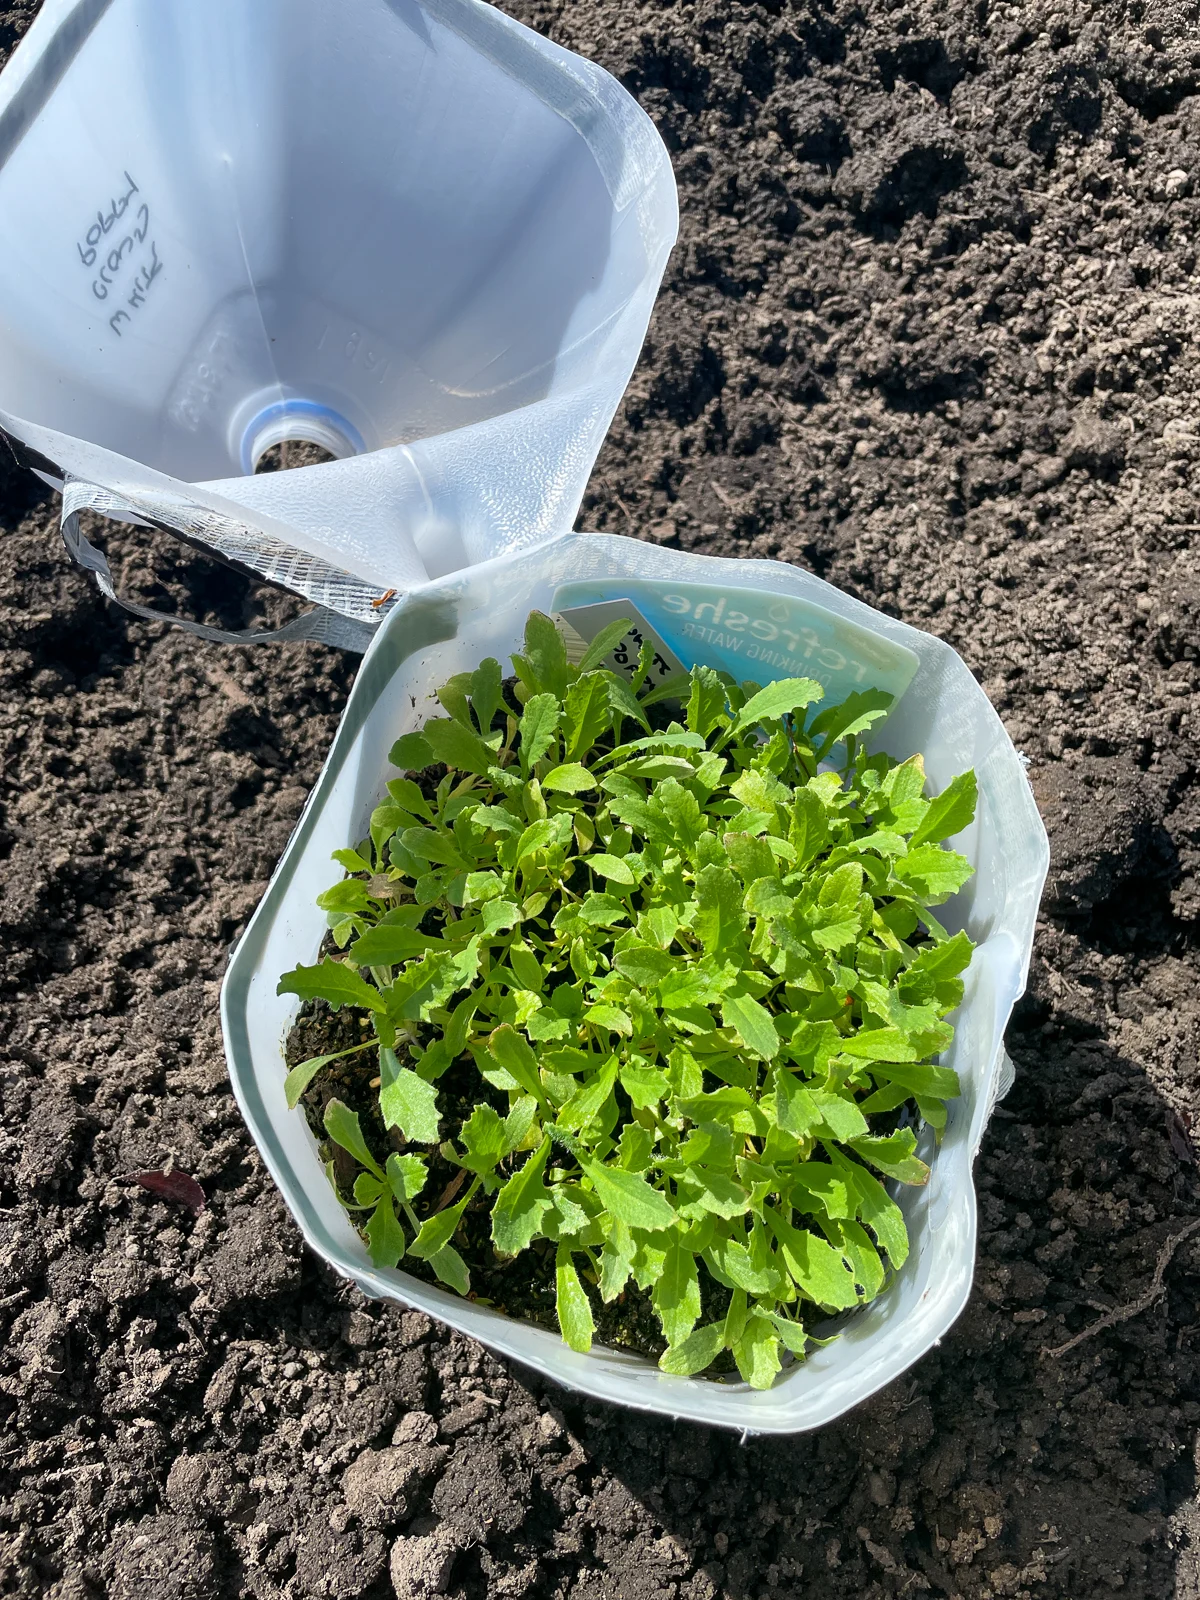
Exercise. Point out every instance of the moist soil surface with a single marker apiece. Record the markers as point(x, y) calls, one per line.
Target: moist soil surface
point(930, 332)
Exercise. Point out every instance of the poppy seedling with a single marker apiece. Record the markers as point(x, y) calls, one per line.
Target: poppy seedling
point(691, 958)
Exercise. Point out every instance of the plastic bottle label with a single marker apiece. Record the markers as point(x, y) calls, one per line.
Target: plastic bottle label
point(752, 634)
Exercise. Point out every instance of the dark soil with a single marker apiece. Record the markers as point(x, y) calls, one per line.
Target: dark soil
point(523, 1286)
point(930, 331)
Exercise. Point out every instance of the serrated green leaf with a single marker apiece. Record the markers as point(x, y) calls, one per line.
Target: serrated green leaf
point(480, 887)
point(646, 1087)
point(931, 1082)
point(616, 1260)
point(518, 1122)
point(517, 1059)
point(879, 1044)
point(676, 1295)
point(706, 703)
point(839, 1116)
point(351, 860)
point(545, 656)
point(808, 829)
point(406, 1100)
point(699, 1350)
point(856, 713)
point(388, 944)
point(792, 1335)
point(611, 1017)
point(412, 752)
point(753, 1025)
point(407, 1176)
point(451, 1270)
point(457, 745)
point(483, 1138)
point(574, 1309)
point(585, 1105)
point(757, 1351)
point(605, 643)
point(949, 812)
point(719, 1193)
point(692, 986)
point(537, 728)
point(629, 1198)
point(941, 961)
point(933, 872)
point(681, 809)
point(453, 696)
point(644, 965)
point(498, 916)
point(817, 1269)
point(851, 1239)
point(537, 836)
point(730, 1263)
point(349, 895)
point(623, 703)
point(485, 690)
point(820, 1187)
point(335, 983)
point(750, 857)
point(436, 1232)
point(427, 844)
point(498, 818)
point(719, 918)
point(521, 1205)
point(778, 699)
point(385, 1236)
point(894, 1156)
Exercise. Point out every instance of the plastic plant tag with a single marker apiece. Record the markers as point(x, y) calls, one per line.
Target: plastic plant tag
point(752, 634)
point(579, 625)
point(431, 250)
point(451, 626)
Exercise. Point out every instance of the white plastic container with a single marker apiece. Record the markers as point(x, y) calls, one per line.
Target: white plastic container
point(411, 231)
point(450, 626)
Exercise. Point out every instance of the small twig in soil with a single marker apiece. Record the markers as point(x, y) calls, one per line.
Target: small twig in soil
point(1135, 1307)
point(451, 1189)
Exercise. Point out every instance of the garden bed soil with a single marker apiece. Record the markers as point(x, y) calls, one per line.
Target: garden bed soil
point(522, 1286)
point(930, 331)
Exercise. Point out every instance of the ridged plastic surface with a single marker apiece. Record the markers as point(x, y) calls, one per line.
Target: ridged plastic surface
point(411, 230)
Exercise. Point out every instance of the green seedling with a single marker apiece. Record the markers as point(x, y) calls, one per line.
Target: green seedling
point(699, 964)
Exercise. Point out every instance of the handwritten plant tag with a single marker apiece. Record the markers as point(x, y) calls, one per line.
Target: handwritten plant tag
point(579, 625)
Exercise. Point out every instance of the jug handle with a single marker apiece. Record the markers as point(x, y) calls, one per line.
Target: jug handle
point(320, 625)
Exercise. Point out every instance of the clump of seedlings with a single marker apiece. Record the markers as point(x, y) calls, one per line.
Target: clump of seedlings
point(649, 992)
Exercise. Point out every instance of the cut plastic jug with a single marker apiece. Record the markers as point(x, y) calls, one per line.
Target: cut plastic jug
point(776, 621)
point(413, 232)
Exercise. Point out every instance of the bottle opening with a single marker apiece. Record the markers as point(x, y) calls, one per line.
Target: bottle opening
point(297, 433)
point(291, 453)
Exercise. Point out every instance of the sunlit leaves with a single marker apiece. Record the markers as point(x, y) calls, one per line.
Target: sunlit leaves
point(693, 974)
point(335, 983)
point(574, 1309)
point(778, 699)
point(521, 1205)
point(406, 1100)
